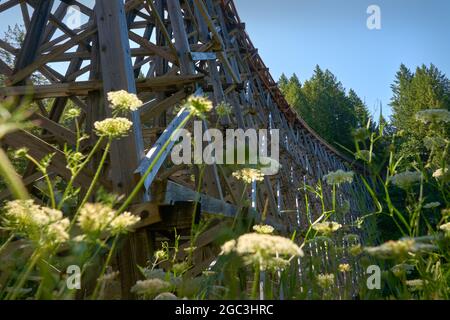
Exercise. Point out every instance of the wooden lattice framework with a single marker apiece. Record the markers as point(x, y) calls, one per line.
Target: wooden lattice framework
point(164, 50)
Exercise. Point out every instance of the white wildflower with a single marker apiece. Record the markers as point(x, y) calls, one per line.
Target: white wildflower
point(406, 179)
point(263, 229)
point(123, 223)
point(344, 267)
point(150, 288)
point(442, 174)
point(433, 115)
point(224, 109)
point(445, 227)
point(327, 227)
point(264, 250)
point(72, 113)
point(42, 225)
point(199, 105)
point(415, 285)
point(95, 218)
point(166, 296)
point(325, 281)
point(432, 205)
point(339, 177)
point(124, 101)
point(249, 175)
point(399, 249)
point(113, 127)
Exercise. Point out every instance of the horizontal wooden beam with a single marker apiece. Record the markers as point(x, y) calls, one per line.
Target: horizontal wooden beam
point(82, 88)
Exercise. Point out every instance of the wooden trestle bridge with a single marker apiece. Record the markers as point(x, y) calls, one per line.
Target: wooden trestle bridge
point(164, 50)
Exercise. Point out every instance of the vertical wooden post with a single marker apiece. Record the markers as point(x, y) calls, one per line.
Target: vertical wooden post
point(117, 74)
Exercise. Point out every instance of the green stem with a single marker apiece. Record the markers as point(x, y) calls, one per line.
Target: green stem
point(105, 265)
point(255, 289)
point(8, 241)
point(93, 183)
point(43, 170)
point(15, 291)
point(141, 182)
point(82, 166)
point(12, 180)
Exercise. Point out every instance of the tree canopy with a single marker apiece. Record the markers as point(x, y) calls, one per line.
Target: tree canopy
point(323, 103)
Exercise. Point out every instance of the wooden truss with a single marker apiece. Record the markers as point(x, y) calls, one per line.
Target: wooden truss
point(164, 50)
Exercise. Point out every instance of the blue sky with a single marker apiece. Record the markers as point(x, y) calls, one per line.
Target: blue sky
point(295, 35)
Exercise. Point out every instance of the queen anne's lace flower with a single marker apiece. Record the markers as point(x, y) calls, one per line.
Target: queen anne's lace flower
point(433, 115)
point(263, 229)
point(399, 249)
point(72, 113)
point(442, 174)
point(432, 205)
point(150, 288)
point(267, 251)
point(406, 179)
point(113, 127)
point(415, 285)
point(344, 267)
point(224, 109)
point(122, 223)
point(445, 228)
point(124, 101)
point(42, 225)
point(325, 281)
point(327, 227)
point(249, 175)
point(199, 105)
point(339, 177)
point(95, 218)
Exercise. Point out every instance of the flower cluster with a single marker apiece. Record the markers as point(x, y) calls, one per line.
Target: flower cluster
point(224, 109)
point(72, 113)
point(344, 267)
point(445, 228)
point(433, 116)
point(113, 127)
point(97, 218)
point(399, 249)
point(249, 175)
point(432, 205)
point(267, 251)
point(327, 227)
point(124, 101)
point(263, 229)
point(406, 179)
point(442, 174)
point(150, 288)
point(325, 281)
point(199, 105)
point(415, 285)
point(43, 225)
point(339, 177)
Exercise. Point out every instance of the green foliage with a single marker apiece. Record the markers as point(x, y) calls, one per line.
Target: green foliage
point(323, 103)
point(426, 88)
